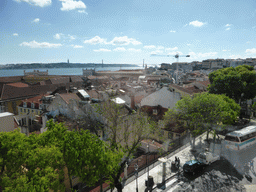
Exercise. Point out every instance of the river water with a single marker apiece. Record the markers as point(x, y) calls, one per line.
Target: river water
point(61, 71)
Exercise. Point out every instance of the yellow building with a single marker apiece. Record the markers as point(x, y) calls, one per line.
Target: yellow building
point(28, 113)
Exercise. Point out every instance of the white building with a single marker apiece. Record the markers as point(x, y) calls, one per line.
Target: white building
point(8, 122)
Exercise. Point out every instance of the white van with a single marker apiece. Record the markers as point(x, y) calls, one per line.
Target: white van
point(208, 158)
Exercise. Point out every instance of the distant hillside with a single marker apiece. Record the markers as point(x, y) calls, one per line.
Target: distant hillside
point(62, 65)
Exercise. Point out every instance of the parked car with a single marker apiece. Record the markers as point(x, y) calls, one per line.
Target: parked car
point(193, 166)
point(208, 158)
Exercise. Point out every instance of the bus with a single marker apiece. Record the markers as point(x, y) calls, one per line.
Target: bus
point(240, 139)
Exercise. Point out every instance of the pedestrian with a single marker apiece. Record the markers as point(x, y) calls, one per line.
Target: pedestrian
point(178, 161)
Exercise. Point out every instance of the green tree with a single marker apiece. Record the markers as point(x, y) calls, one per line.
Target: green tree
point(36, 163)
point(238, 83)
point(125, 130)
point(29, 167)
point(84, 154)
point(202, 112)
point(88, 157)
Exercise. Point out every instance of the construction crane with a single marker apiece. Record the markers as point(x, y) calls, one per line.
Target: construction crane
point(177, 56)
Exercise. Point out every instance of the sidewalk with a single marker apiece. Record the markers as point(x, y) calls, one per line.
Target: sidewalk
point(155, 170)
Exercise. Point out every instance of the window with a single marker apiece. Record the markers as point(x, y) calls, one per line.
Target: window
point(32, 105)
point(154, 111)
point(24, 104)
point(246, 137)
point(32, 111)
point(21, 110)
point(40, 106)
point(25, 110)
point(28, 110)
point(231, 138)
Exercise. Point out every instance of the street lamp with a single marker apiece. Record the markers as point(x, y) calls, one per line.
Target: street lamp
point(147, 163)
point(136, 167)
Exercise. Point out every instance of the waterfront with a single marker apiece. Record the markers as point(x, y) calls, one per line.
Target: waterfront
point(61, 71)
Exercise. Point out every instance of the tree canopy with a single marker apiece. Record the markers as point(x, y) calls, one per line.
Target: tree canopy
point(36, 163)
point(238, 83)
point(202, 110)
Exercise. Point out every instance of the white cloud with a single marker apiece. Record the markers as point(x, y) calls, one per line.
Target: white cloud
point(227, 28)
point(68, 5)
point(174, 53)
point(235, 57)
point(171, 49)
point(228, 25)
point(36, 20)
point(149, 47)
point(96, 40)
point(34, 44)
point(253, 50)
point(157, 52)
point(119, 49)
point(134, 50)
point(196, 23)
point(102, 50)
point(15, 34)
point(173, 31)
point(71, 37)
point(116, 41)
point(209, 55)
point(188, 44)
point(58, 35)
point(40, 3)
point(82, 11)
point(78, 46)
point(62, 36)
point(124, 41)
point(160, 47)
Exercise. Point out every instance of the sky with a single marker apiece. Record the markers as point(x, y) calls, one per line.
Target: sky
point(126, 31)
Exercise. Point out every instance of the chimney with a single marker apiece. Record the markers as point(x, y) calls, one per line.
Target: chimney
point(132, 102)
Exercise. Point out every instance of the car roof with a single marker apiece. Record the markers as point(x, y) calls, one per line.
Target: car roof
point(191, 162)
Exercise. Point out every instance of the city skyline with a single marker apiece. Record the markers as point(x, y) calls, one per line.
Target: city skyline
point(47, 31)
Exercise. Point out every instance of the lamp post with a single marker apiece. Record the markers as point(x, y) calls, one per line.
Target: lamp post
point(148, 164)
point(136, 167)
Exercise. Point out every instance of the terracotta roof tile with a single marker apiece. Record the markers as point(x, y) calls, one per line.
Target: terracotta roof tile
point(76, 79)
point(205, 83)
point(69, 96)
point(60, 80)
point(19, 84)
point(93, 94)
point(138, 99)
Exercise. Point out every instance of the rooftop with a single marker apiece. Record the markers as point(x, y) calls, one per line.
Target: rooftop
point(243, 131)
point(6, 114)
point(18, 84)
point(69, 96)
